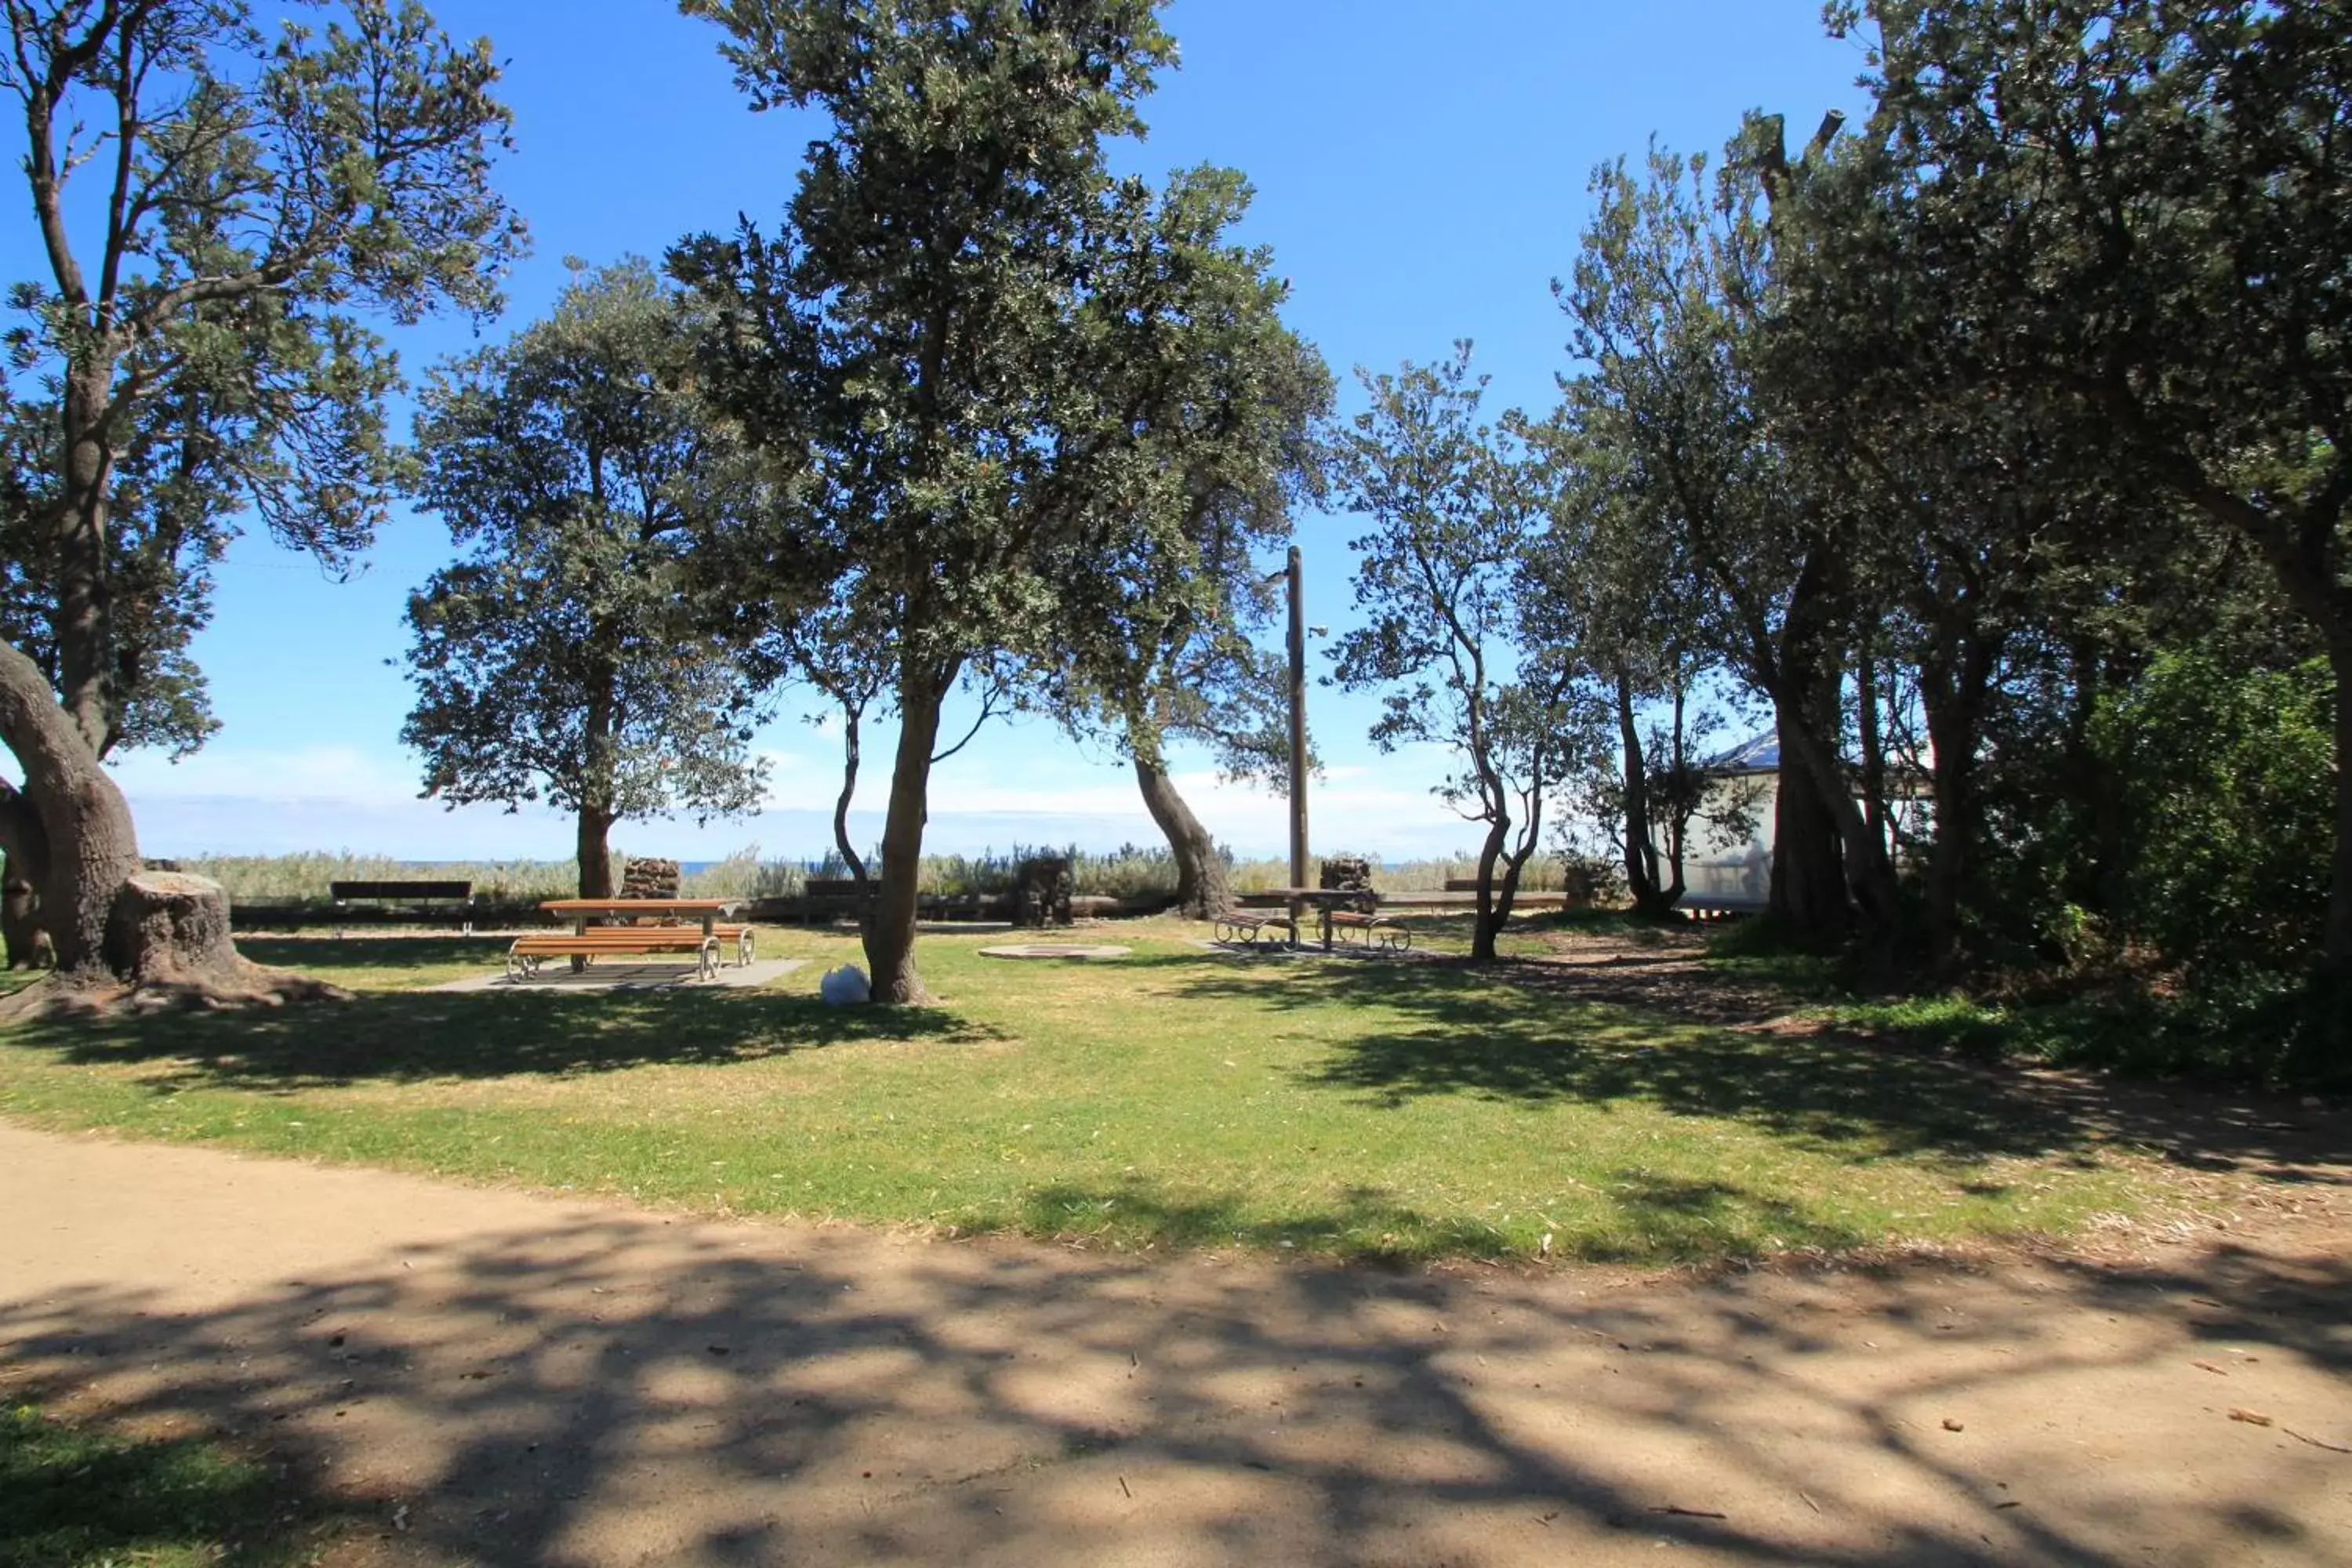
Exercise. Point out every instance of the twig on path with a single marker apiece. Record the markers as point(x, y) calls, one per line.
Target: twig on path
point(1689, 1512)
point(2314, 1441)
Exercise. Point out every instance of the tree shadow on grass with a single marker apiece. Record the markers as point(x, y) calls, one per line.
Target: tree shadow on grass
point(414, 1037)
point(326, 957)
point(1529, 1032)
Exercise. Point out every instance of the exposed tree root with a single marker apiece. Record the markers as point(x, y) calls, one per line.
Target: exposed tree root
point(240, 985)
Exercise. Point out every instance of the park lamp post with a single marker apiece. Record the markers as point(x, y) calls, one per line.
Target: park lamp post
point(1296, 573)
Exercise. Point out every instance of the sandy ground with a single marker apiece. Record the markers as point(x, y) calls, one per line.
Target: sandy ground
point(502, 1378)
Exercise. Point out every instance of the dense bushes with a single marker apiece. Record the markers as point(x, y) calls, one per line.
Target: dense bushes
point(2227, 792)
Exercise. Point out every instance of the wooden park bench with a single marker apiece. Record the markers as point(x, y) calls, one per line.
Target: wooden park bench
point(830, 895)
point(405, 892)
point(1250, 926)
point(1375, 930)
point(524, 958)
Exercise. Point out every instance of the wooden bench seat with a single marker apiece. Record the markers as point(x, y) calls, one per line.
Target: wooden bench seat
point(738, 937)
point(528, 952)
point(1377, 928)
point(1249, 925)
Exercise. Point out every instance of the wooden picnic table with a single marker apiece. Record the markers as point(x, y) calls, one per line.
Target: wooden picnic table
point(582, 909)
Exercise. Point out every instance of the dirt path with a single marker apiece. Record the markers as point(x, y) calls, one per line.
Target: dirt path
point(525, 1380)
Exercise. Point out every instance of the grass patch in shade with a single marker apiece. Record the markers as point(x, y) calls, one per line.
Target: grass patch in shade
point(75, 1497)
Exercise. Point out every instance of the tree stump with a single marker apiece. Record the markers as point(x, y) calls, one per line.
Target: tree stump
point(167, 945)
point(171, 929)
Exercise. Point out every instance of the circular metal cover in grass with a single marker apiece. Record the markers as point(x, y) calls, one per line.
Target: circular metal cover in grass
point(1053, 950)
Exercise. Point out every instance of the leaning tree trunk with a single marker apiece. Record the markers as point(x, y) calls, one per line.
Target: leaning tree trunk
point(1640, 849)
point(1953, 687)
point(853, 719)
point(1869, 871)
point(1488, 924)
point(897, 899)
point(1809, 891)
point(93, 850)
point(2335, 950)
point(1202, 890)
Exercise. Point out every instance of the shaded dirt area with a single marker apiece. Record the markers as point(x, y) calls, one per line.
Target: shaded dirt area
point(498, 1378)
point(1662, 969)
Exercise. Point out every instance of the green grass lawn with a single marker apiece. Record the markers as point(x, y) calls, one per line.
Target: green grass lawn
point(1174, 1097)
point(74, 1497)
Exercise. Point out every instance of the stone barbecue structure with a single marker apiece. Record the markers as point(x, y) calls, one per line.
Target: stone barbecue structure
point(650, 878)
point(1042, 892)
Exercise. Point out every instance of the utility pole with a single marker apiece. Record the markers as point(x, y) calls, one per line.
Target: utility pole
point(1298, 730)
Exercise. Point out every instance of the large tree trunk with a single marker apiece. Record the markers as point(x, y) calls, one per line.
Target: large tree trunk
point(890, 937)
point(1809, 891)
point(595, 852)
point(853, 721)
point(20, 917)
point(23, 864)
point(1202, 890)
point(1641, 849)
point(1948, 858)
point(1869, 871)
point(93, 849)
point(162, 936)
point(1492, 910)
point(1515, 865)
point(1952, 689)
point(1873, 740)
point(1681, 807)
point(2336, 950)
point(78, 623)
point(598, 762)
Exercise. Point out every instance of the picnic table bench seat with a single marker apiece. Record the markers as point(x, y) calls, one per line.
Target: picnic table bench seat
point(1376, 930)
point(1250, 925)
point(524, 958)
point(738, 937)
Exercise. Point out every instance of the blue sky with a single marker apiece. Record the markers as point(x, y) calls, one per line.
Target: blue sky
point(1421, 173)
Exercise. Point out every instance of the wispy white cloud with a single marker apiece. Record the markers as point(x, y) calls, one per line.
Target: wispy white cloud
point(315, 773)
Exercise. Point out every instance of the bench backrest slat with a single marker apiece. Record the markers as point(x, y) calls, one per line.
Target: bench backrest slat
point(401, 890)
